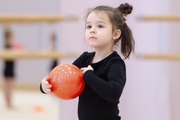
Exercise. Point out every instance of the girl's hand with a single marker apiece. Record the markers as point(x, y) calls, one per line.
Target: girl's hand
point(46, 87)
point(84, 69)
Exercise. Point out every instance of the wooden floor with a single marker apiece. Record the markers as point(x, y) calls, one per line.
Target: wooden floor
point(30, 105)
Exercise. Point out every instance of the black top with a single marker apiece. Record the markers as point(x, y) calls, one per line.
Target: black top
point(8, 70)
point(104, 86)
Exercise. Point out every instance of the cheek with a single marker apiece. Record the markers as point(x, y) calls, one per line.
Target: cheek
point(86, 35)
point(106, 35)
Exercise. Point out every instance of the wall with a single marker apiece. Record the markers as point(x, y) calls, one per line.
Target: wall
point(175, 66)
point(151, 91)
point(31, 36)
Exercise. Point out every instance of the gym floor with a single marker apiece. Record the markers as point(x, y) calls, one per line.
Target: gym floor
point(30, 105)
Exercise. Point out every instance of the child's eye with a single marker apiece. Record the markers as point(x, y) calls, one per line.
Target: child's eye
point(100, 26)
point(88, 26)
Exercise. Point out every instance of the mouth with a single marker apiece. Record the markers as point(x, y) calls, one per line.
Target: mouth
point(92, 37)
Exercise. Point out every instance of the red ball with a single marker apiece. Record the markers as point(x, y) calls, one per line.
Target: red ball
point(67, 81)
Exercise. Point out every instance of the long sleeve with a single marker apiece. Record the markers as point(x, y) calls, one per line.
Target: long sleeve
point(111, 88)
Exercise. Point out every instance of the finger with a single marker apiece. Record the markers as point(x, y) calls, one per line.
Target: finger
point(48, 91)
point(82, 68)
point(90, 67)
point(45, 83)
point(48, 86)
point(45, 78)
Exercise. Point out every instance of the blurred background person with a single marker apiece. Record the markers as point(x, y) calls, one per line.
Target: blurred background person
point(8, 71)
point(53, 41)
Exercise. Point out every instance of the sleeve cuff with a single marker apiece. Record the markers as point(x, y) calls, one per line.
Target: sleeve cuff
point(41, 88)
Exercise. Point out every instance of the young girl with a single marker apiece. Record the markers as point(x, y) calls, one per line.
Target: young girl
point(104, 71)
point(8, 72)
point(53, 41)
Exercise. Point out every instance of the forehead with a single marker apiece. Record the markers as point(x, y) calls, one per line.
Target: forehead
point(97, 16)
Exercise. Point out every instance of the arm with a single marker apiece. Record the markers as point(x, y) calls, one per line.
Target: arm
point(110, 89)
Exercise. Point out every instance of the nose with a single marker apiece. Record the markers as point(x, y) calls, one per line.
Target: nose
point(92, 30)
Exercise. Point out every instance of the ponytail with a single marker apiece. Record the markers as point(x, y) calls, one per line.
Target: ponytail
point(127, 40)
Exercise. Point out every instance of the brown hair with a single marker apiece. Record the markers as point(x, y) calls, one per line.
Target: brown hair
point(7, 37)
point(118, 20)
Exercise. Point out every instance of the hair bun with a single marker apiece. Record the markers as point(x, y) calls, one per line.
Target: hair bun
point(125, 8)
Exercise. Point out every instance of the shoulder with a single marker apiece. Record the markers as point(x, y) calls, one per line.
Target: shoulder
point(86, 54)
point(116, 66)
point(116, 57)
point(116, 60)
point(83, 59)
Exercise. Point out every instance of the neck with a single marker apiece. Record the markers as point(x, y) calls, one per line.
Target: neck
point(101, 54)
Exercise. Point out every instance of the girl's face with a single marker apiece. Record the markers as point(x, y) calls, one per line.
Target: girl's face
point(99, 32)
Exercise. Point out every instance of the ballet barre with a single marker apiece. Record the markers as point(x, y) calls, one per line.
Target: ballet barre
point(10, 55)
point(159, 56)
point(159, 18)
point(7, 18)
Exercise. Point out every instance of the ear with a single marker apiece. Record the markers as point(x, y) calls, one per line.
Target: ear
point(116, 34)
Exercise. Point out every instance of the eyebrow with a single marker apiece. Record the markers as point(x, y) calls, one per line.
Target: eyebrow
point(97, 22)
